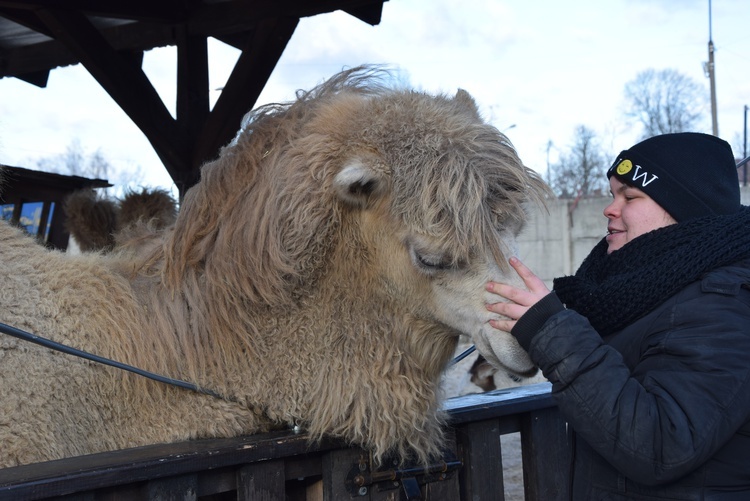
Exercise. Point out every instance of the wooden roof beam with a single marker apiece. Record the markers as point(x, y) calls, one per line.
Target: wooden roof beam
point(248, 78)
point(371, 14)
point(124, 81)
point(172, 11)
point(43, 56)
point(38, 78)
point(234, 16)
point(193, 105)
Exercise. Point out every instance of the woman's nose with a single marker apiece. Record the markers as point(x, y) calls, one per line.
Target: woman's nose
point(610, 211)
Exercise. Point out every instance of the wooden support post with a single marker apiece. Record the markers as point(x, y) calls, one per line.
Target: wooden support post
point(336, 466)
point(262, 481)
point(182, 488)
point(546, 455)
point(479, 448)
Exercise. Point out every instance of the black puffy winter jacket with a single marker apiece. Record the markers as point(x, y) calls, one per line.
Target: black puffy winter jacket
point(660, 409)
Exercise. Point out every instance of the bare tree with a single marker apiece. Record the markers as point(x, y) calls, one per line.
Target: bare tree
point(76, 161)
point(740, 149)
point(579, 171)
point(665, 101)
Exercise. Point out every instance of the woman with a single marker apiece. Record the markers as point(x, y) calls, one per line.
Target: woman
point(647, 347)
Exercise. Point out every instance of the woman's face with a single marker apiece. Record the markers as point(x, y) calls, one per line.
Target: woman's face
point(631, 214)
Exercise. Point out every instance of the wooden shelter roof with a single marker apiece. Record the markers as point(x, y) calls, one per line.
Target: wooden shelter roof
point(109, 38)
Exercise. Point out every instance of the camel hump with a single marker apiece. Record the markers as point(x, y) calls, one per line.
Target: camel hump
point(97, 223)
point(91, 220)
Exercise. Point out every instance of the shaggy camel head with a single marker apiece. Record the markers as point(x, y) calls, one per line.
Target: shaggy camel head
point(413, 196)
point(368, 219)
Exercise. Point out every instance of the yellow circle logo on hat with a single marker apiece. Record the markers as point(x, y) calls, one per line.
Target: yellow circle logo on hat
point(624, 167)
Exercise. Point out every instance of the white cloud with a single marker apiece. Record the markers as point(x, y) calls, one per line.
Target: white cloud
point(544, 66)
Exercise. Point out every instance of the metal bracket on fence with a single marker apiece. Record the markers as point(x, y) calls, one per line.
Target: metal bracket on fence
point(362, 477)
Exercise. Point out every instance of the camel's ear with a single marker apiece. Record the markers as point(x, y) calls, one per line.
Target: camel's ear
point(466, 101)
point(357, 184)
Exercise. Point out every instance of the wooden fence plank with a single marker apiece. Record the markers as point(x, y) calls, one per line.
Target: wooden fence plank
point(336, 467)
point(283, 464)
point(262, 481)
point(479, 448)
point(182, 488)
point(443, 490)
point(108, 469)
point(546, 456)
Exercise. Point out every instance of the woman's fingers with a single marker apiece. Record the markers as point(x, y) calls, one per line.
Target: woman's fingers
point(513, 294)
point(503, 325)
point(518, 300)
point(513, 311)
point(535, 284)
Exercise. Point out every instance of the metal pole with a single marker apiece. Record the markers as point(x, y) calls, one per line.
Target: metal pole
point(744, 151)
point(711, 75)
point(744, 147)
point(549, 145)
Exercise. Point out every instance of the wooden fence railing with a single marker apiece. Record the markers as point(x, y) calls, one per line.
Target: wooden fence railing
point(285, 466)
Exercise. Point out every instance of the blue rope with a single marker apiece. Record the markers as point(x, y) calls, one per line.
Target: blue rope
point(463, 355)
point(47, 343)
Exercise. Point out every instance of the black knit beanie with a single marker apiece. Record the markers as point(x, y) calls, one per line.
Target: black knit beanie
point(688, 174)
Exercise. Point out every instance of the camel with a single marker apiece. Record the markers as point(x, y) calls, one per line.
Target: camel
point(318, 275)
point(98, 224)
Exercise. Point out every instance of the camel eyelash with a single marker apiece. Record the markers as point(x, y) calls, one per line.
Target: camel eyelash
point(431, 262)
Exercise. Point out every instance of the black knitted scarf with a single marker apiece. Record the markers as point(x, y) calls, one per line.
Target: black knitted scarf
point(613, 290)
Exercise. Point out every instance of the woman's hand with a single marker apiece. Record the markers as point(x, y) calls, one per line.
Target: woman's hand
point(519, 300)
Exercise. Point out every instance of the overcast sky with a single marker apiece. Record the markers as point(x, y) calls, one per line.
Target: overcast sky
point(537, 69)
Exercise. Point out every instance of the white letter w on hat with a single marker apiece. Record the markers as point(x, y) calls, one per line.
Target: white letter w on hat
point(645, 182)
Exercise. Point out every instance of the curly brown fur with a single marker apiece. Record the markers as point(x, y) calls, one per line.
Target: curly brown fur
point(155, 207)
point(91, 220)
point(142, 217)
point(100, 224)
point(319, 274)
